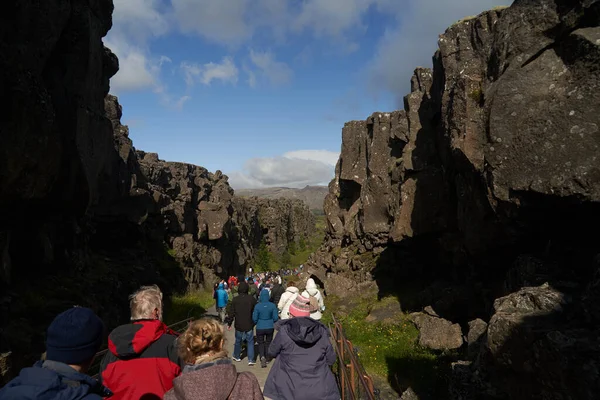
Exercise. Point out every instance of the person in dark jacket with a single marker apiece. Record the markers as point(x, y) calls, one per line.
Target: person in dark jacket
point(277, 291)
point(242, 308)
point(264, 316)
point(72, 341)
point(304, 356)
point(142, 360)
point(251, 288)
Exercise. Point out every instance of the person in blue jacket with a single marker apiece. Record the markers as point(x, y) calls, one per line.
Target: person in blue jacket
point(265, 315)
point(72, 341)
point(222, 298)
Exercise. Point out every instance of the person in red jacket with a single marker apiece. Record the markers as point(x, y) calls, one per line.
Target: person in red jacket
point(142, 360)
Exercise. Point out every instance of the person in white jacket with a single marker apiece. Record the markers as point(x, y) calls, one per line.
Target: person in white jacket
point(312, 290)
point(286, 300)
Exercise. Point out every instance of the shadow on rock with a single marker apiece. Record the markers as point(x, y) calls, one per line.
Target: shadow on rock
point(426, 376)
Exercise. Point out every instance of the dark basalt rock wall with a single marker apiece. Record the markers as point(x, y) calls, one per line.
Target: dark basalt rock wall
point(84, 218)
point(488, 181)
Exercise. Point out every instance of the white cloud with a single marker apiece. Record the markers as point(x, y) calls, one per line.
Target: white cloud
point(181, 101)
point(276, 72)
point(137, 71)
point(219, 21)
point(251, 77)
point(293, 169)
point(236, 22)
point(407, 43)
point(135, 22)
point(139, 19)
point(324, 156)
point(332, 17)
point(226, 71)
point(134, 73)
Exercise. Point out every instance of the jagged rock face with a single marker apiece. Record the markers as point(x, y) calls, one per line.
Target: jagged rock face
point(84, 218)
point(210, 231)
point(487, 181)
point(54, 133)
point(372, 197)
point(500, 121)
point(283, 221)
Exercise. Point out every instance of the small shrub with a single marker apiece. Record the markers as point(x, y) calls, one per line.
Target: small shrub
point(263, 258)
point(292, 247)
point(477, 96)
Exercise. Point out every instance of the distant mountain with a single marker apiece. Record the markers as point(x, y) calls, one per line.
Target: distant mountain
point(313, 196)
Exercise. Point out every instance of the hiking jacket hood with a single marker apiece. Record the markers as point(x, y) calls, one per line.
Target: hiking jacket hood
point(142, 359)
point(302, 370)
point(287, 298)
point(221, 296)
point(312, 290)
point(51, 380)
point(265, 313)
point(217, 380)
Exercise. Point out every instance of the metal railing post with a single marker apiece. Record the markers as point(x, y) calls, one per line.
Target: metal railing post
point(348, 363)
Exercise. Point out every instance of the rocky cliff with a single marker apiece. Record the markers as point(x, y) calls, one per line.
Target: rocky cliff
point(85, 218)
point(312, 196)
point(487, 186)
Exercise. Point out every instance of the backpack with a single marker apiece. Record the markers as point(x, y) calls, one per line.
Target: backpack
point(314, 303)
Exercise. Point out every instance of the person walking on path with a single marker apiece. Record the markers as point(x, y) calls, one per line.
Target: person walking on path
point(316, 299)
point(209, 373)
point(277, 291)
point(287, 298)
point(221, 298)
point(264, 316)
point(242, 308)
point(251, 288)
point(302, 369)
point(72, 340)
point(142, 358)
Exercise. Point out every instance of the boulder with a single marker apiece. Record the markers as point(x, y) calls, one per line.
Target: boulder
point(535, 351)
point(5, 367)
point(518, 318)
point(409, 394)
point(476, 336)
point(437, 333)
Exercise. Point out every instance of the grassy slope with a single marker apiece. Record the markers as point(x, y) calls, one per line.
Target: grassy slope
point(192, 304)
point(390, 352)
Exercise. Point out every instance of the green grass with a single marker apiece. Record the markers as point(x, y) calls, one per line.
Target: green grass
point(390, 351)
point(192, 304)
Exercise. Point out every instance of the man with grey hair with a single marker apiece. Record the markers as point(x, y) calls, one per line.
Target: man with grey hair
point(142, 359)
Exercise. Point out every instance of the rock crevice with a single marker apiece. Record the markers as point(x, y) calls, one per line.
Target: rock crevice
point(486, 185)
point(85, 218)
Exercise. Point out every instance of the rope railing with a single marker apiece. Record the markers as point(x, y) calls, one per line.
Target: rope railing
point(355, 383)
point(179, 327)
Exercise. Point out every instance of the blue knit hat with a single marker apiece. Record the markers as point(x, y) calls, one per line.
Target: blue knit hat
point(74, 336)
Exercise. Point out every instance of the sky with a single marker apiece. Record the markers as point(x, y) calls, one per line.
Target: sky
point(260, 89)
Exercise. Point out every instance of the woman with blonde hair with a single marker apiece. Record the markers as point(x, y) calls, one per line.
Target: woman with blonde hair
point(209, 373)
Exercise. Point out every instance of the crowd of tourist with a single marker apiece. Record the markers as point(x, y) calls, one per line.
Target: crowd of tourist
point(148, 361)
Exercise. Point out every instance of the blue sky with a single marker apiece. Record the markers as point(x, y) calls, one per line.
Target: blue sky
point(260, 89)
